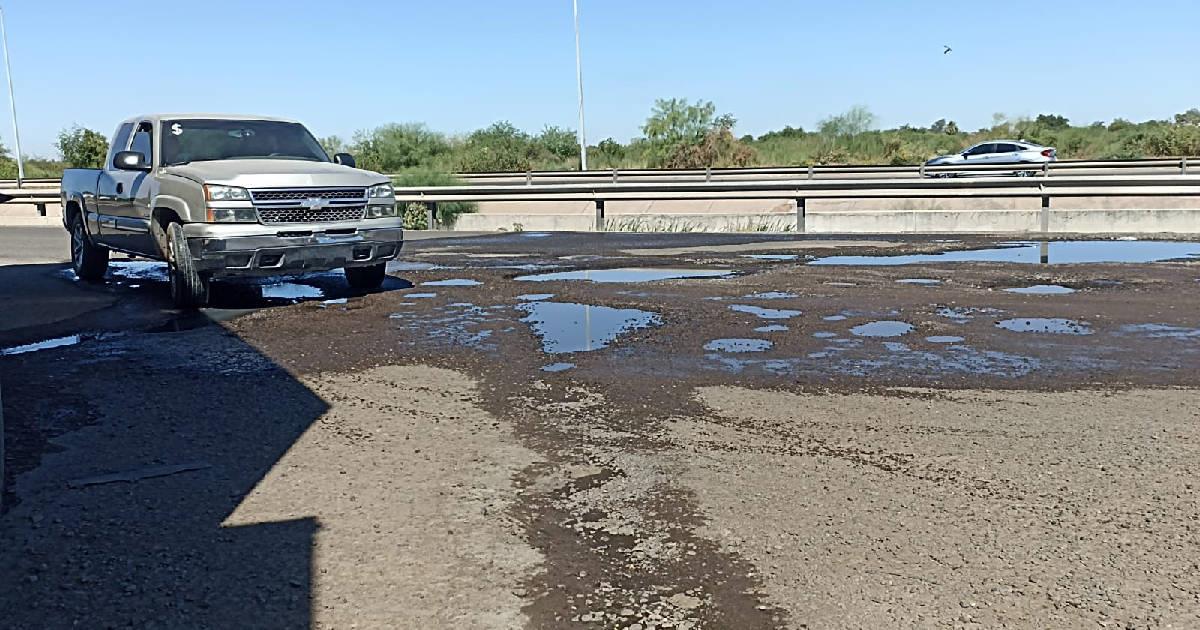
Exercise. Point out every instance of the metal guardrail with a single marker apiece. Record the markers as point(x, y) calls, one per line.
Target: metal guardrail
point(801, 190)
point(1154, 166)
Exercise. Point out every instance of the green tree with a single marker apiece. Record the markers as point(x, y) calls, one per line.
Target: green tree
point(82, 147)
point(1052, 121)
point(500, 147)
point(1190, 118)
point(398, 146)
point(333, 144)
point(951, 128)
point(675, 123)
point(558, 142)
point(854, 121)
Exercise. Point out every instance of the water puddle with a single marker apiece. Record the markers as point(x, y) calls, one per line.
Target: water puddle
point(557, 367)
point(895, 346)
point(1042, 289)
point(1160, 331)
point(771, 328)
point(771, 256)
point(412, 265)
point(452, 282)
point(290, 291)
point(629, 274)
point(138, 270)
point(419, 296)
point(885, 328)
point(825, 335)
point(535, 234)
point(535, 297)
point(835, 318)
point(738, 345)
point(1058, 252)
point(765, 313)
point(846, 360)
point(771, 295)
point(944, 339)
point(964, 314)
point(839, 284)
point(57, 342)
point(1050, 325)
point(569, 327)
point(920, 281)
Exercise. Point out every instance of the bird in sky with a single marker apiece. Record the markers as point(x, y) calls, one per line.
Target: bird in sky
point(947, 51)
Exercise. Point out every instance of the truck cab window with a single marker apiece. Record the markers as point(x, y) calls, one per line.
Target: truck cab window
point(120, 141)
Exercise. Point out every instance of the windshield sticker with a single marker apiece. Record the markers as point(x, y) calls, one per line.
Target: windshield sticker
point(176, 129)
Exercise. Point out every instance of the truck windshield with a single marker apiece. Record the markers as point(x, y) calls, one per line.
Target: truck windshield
point(198, 140)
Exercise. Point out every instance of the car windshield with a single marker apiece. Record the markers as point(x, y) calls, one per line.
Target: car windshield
point(196, 140)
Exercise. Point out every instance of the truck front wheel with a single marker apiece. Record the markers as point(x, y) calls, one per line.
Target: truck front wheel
point(89, 261)
point(370, 277)
point(189, 288)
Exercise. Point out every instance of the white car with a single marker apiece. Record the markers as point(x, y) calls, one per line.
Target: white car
point(996, 152)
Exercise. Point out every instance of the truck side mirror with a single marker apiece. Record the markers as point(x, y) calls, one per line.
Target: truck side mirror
point(345, 159)
point(130, 161)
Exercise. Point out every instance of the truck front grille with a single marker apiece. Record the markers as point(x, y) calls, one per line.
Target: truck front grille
point(295, 214)
point(299, 194)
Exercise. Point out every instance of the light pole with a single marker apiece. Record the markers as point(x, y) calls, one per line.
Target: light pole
point(12, 101)
point(579, 79)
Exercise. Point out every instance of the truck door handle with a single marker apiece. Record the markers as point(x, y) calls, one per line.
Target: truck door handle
point(120, 187)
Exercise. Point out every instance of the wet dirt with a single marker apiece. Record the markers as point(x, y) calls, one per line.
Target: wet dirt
point(643, 498)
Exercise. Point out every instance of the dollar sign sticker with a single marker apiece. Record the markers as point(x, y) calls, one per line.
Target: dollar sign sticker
point(176, 129)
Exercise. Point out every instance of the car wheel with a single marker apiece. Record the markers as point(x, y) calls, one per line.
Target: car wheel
point(189, 287)
point(89, 261)
point(369, 277)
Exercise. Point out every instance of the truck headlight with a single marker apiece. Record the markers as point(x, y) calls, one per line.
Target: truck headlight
point(381, 191)
point(213, 192)
point(232, 215)
point(382, 211)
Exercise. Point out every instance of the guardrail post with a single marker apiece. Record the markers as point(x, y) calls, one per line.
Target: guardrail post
point(1045, 169)
point(708, 173)
point(599, 215)
point(810, 171)
point(1045, 211)
point(431, 215)
point(922, 170)
point(41, 208)
point(528, 177)
point(614, 175)
point(801, 212)
point(1183, 166)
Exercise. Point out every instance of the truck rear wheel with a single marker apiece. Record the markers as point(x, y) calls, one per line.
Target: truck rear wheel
point(89, 261)
point(370, 277)
point(189, 288)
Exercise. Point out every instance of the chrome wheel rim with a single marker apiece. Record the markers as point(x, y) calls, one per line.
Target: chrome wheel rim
point(77, 245)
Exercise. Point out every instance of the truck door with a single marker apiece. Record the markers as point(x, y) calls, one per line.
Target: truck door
point(106, 188)
point(130, 210)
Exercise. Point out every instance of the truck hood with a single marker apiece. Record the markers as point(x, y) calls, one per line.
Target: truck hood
point(275, 173)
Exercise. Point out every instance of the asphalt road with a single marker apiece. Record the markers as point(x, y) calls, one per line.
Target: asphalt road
point(783, 443)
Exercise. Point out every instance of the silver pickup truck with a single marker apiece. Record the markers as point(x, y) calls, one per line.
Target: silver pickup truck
point(220, 195)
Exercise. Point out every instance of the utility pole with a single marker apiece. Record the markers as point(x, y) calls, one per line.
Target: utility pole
point(12, 101)
point(579, 79)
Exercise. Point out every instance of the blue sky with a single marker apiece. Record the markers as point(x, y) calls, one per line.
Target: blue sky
point(458, 65)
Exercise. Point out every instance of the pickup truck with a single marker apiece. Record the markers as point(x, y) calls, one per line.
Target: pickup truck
point(219, 195)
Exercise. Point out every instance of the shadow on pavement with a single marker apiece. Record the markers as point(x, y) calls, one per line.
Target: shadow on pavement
point(150, 552)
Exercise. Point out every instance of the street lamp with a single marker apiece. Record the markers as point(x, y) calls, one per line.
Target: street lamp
point(579, 79)
point(12, 101)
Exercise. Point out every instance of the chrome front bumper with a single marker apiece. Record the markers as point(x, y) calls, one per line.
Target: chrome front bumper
point(252, 249)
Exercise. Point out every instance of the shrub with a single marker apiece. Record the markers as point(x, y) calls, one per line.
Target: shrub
point(415, 213)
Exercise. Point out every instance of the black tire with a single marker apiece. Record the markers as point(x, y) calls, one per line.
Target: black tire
point(189, 288)
point(368, 278)
point(90, 261)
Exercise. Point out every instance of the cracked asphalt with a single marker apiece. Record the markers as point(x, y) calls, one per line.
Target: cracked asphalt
point(784, 443)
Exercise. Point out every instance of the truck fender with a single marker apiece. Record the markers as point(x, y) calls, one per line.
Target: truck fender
point(167, 209)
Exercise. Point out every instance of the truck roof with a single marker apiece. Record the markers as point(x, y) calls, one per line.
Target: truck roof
point(209, 116)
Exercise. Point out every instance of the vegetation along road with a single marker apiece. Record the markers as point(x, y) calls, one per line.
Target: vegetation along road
point(614, 430)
